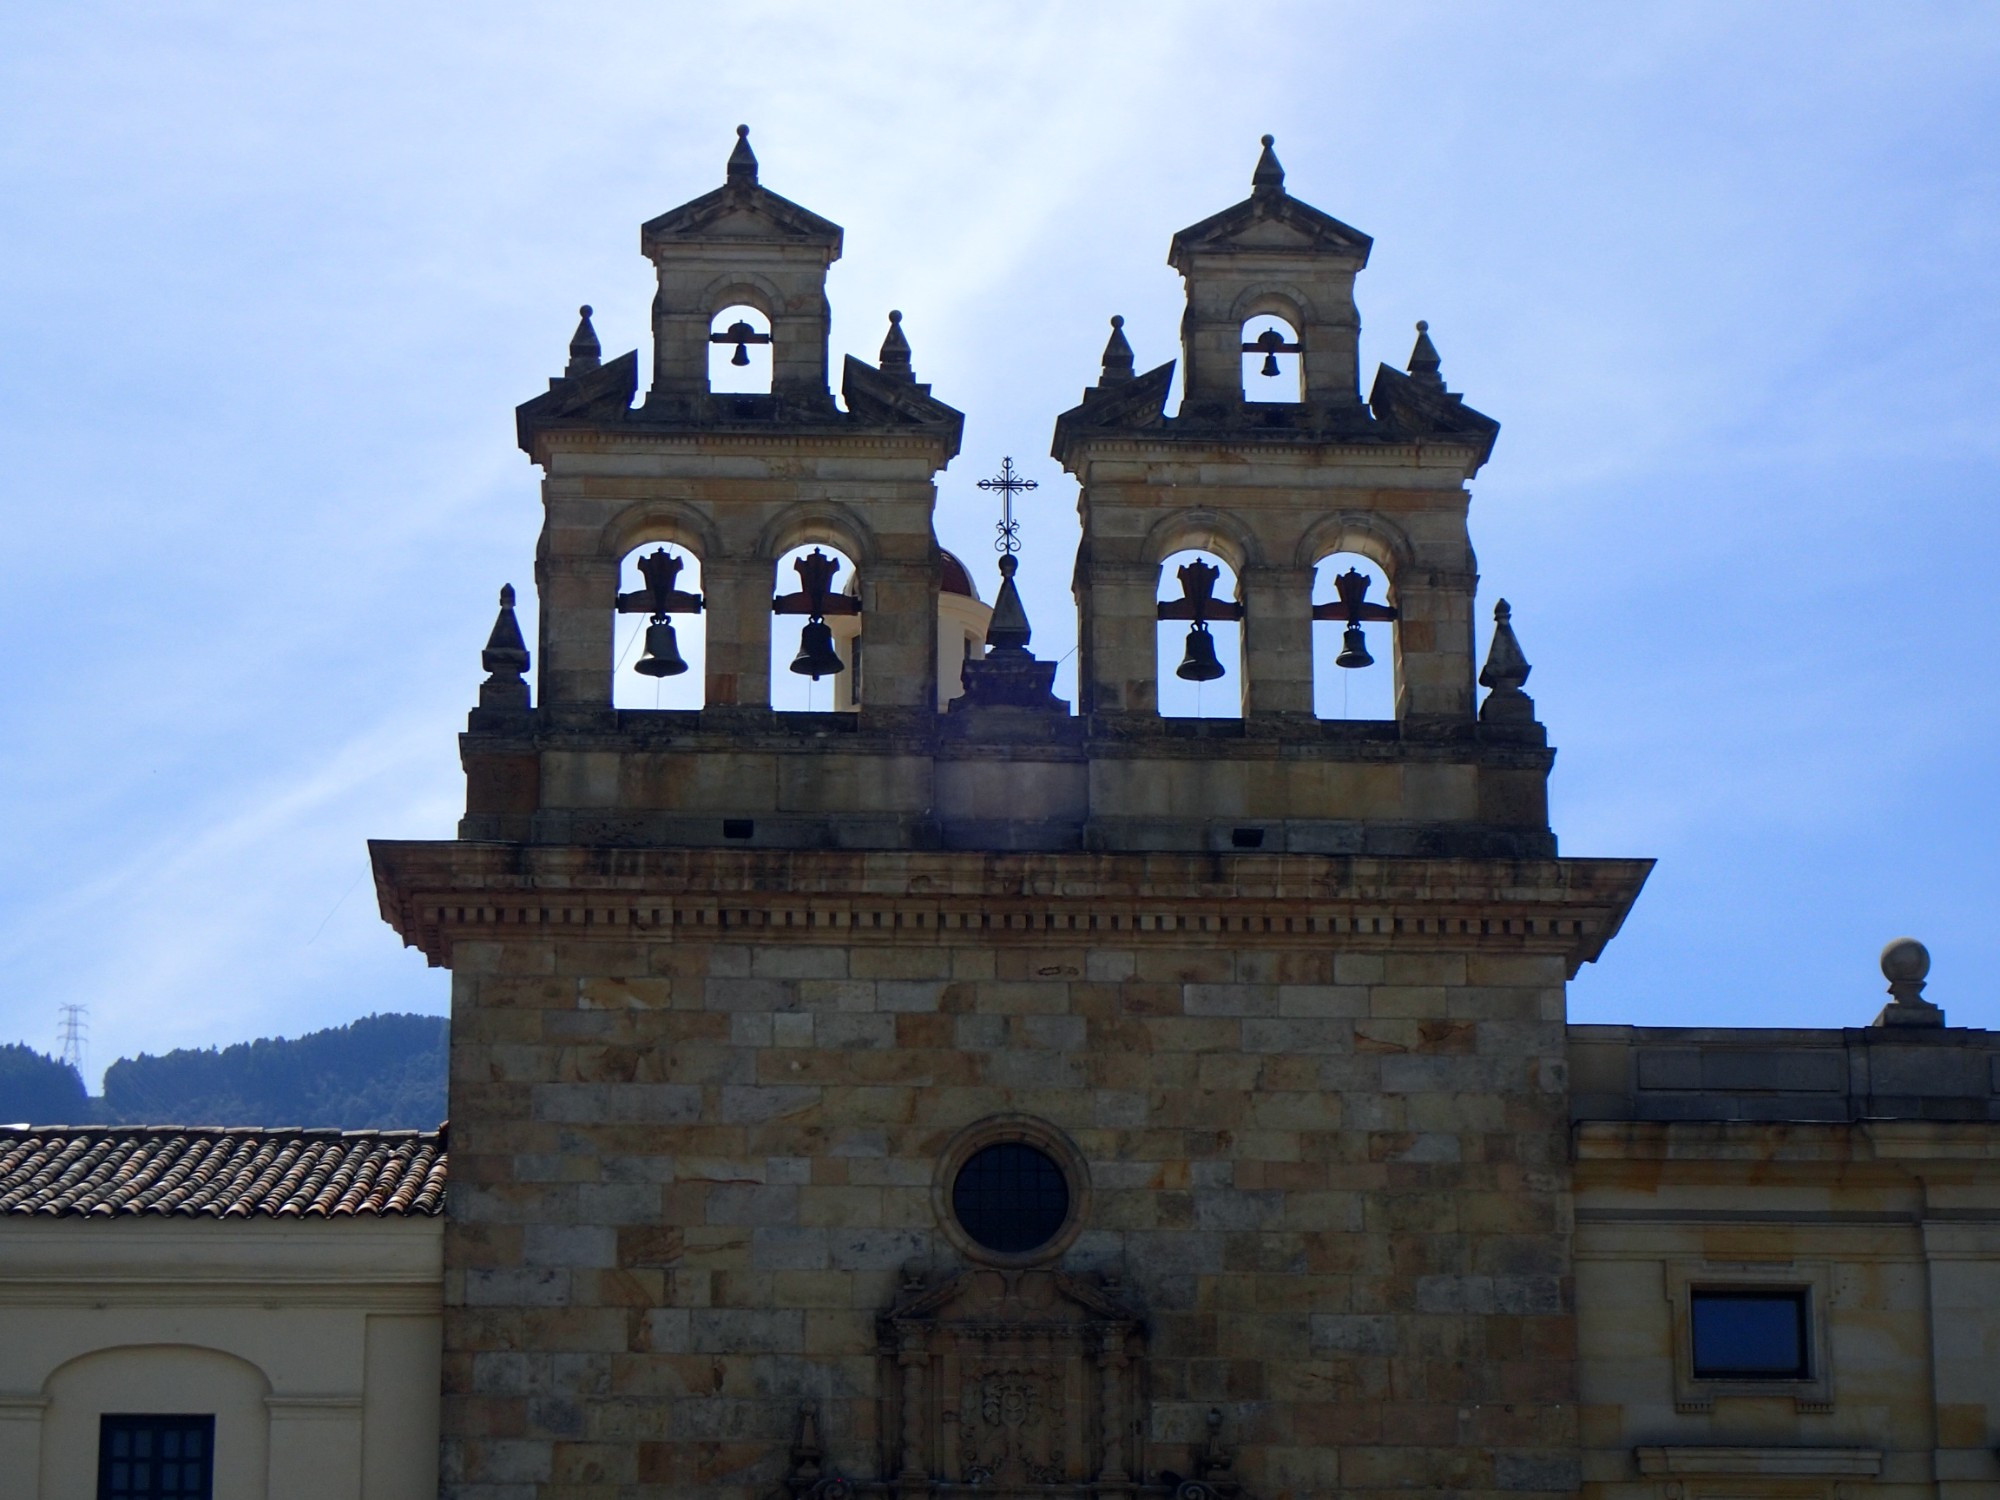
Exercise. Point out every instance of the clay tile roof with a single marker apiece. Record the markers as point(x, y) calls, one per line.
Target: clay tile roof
point(215, 1173)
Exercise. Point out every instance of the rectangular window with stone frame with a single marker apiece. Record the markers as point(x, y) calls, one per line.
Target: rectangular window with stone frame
point(1750, 1329)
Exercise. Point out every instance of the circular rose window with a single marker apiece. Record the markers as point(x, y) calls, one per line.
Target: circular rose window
point(1010, 1197)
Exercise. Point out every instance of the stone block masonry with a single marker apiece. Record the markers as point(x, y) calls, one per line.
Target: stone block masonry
point(699, 1107)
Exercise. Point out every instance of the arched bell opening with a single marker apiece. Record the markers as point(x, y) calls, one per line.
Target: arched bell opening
point(739, 352)
point(660, 643)
point(816, 632)
point(1354, 643)
point(1199, 639)
point(1272, 368)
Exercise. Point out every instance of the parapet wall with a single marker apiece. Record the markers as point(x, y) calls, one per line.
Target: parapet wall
point(1667, 1073)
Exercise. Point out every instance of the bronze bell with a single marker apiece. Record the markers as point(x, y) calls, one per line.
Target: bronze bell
point(1270, 364)
point(1353, 649)
point(741, 332)
point(663, 652)
point(1200, 664)
point(817, 658)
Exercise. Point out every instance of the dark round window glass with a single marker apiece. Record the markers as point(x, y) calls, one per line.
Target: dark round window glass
point(1010, 1197)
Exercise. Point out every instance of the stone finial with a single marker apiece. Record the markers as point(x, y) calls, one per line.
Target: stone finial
point(585, 353)
point(1269, 177)
point(806, 1451)
point(895, 361)
point(1118, 362)
point(505, 659)
point(1008, 629)
point(742, 161)
point(1505, 671)
point(1905, 963)
point(1008, 676)
point(1424, 360)
point(1212, 1458)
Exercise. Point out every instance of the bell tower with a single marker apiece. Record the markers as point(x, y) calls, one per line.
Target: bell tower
point(741, 245)
point(1270, 254)
point(738, 479)
point(966, 1094)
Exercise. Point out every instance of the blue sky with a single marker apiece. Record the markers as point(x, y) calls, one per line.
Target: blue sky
point(273, 280)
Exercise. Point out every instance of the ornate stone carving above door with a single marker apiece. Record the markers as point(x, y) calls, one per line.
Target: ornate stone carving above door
point(1013, 1382)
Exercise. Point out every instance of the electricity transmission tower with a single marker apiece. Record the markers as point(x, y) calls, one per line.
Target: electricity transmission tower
point(75, 1030)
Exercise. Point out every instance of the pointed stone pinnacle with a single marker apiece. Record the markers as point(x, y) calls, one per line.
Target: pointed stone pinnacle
point(1269, 176)
point(742, 161)
point(1424, 362)
point(584, 350)
point(1505, 669)
point(505, 659)
point(1008, 629)
point(895, 359)
point(1118, 364)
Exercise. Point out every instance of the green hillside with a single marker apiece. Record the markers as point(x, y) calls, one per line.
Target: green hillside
point(385, 1072)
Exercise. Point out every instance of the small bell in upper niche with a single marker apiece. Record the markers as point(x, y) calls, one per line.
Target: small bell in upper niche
point(817, 658)
point(741, 334)
point(1271, 343)
point(1199, 663)
point(663, 652)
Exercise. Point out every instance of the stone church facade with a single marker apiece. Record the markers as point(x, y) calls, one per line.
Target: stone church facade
point(1091, 1105)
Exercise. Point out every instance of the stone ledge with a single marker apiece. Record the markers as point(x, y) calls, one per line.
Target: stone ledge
point(1760, 1461)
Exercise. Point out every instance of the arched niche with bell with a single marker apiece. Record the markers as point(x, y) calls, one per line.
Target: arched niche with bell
point(661, 634)
point(816, 632)
point(1199, 646)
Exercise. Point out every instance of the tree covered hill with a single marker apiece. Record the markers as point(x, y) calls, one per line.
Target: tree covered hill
point(383, 1072)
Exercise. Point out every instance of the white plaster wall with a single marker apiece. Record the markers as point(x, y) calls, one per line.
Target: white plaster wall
point(315, 1344)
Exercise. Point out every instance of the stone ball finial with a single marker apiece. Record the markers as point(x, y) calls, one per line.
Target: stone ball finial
point(585, 311)
point(1423, 326)
point(1270, 140)
point(742, 132)
point(1117, 320)
point(895, 316)
point(1905, 960)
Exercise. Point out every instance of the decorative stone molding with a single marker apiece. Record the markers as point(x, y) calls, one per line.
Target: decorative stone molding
point(1013, 1379)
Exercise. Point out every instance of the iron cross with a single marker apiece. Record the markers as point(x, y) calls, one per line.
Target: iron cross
point(1008, 482)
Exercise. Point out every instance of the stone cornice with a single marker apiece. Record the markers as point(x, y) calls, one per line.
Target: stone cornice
point(1452, 454)
point(1709, 1142)
point(637, 437)
point(435, 894)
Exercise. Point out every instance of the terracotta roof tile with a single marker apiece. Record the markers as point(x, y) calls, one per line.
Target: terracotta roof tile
point(104, 1171)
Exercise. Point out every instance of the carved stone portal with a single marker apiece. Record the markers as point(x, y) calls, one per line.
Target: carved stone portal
point(1013, 1382)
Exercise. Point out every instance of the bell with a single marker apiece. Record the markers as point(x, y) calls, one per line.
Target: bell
point(1200, 663)
point(741, 356)
point(663, 652)
point(817, 658)
point(1270, 364)
point(1353, 649)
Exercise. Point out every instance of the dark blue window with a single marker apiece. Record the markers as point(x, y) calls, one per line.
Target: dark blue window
point(155, 1458)
point(1010, 1197)
point(1750, 1335)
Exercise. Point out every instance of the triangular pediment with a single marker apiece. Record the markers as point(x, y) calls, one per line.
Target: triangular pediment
point(741, 211)
point(594, 397)
point(1406, 409)
point(1272, 222)
point(886, 401)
